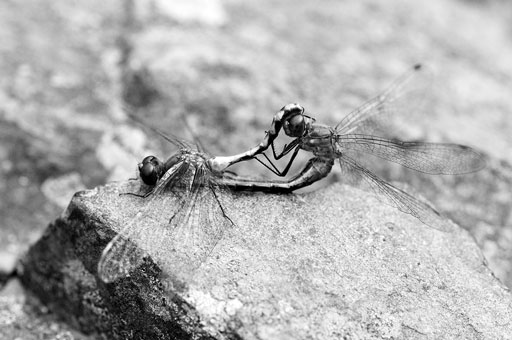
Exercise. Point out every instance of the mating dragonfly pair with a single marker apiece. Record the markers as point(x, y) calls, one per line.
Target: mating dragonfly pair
point(199, 219)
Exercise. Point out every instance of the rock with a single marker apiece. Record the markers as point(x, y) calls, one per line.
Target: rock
point(330, 264)
point(59, 190)
point(23, 317)
point(8, 262)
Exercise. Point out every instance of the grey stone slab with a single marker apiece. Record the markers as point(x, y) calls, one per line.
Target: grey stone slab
point(331, 264)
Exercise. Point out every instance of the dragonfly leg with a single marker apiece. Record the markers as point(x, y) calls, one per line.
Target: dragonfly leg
point(286, 150)
point(219, 164)
point(274, 168)
point(220, 205)
point(145, 195)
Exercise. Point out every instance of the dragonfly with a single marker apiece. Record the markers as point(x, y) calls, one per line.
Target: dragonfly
point(196, 221)
point(346, 141)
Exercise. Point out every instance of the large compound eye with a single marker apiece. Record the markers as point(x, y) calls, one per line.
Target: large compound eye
point(148, 159)
point(294, 126)
point(292, 109)
point(149, 170)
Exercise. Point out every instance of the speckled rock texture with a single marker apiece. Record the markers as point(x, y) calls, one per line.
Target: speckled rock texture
point(330, 264)
point(23, 317)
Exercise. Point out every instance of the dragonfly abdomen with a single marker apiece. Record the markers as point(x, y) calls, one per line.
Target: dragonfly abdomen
point(316, 169)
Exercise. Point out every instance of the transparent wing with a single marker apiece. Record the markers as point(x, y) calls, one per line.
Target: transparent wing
point(404, 94)
point(197, 227)
point(127, 250)
point(178, 243)
point(393, 196)
point(431, 158)
point(178, 142)
point(120, 257)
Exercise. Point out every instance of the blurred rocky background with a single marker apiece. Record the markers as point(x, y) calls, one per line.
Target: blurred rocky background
point(223, 68)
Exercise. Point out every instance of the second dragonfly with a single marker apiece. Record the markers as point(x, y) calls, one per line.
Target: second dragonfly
point(345, 141)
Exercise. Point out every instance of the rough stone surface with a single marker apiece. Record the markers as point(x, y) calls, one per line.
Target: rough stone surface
point(22, 316)
point(330, 264)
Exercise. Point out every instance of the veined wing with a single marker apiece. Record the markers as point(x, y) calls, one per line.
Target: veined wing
point(178, 142)
point(431, 158)
point(394, 196)
point(403, 93)
point(197, 227)
point(127, 250)
point(181, 243)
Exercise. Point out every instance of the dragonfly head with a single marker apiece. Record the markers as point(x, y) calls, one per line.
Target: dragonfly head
point(150, 170)
point(293, 119)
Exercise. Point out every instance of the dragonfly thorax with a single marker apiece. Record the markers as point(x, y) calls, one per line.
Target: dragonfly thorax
point(193, 157)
